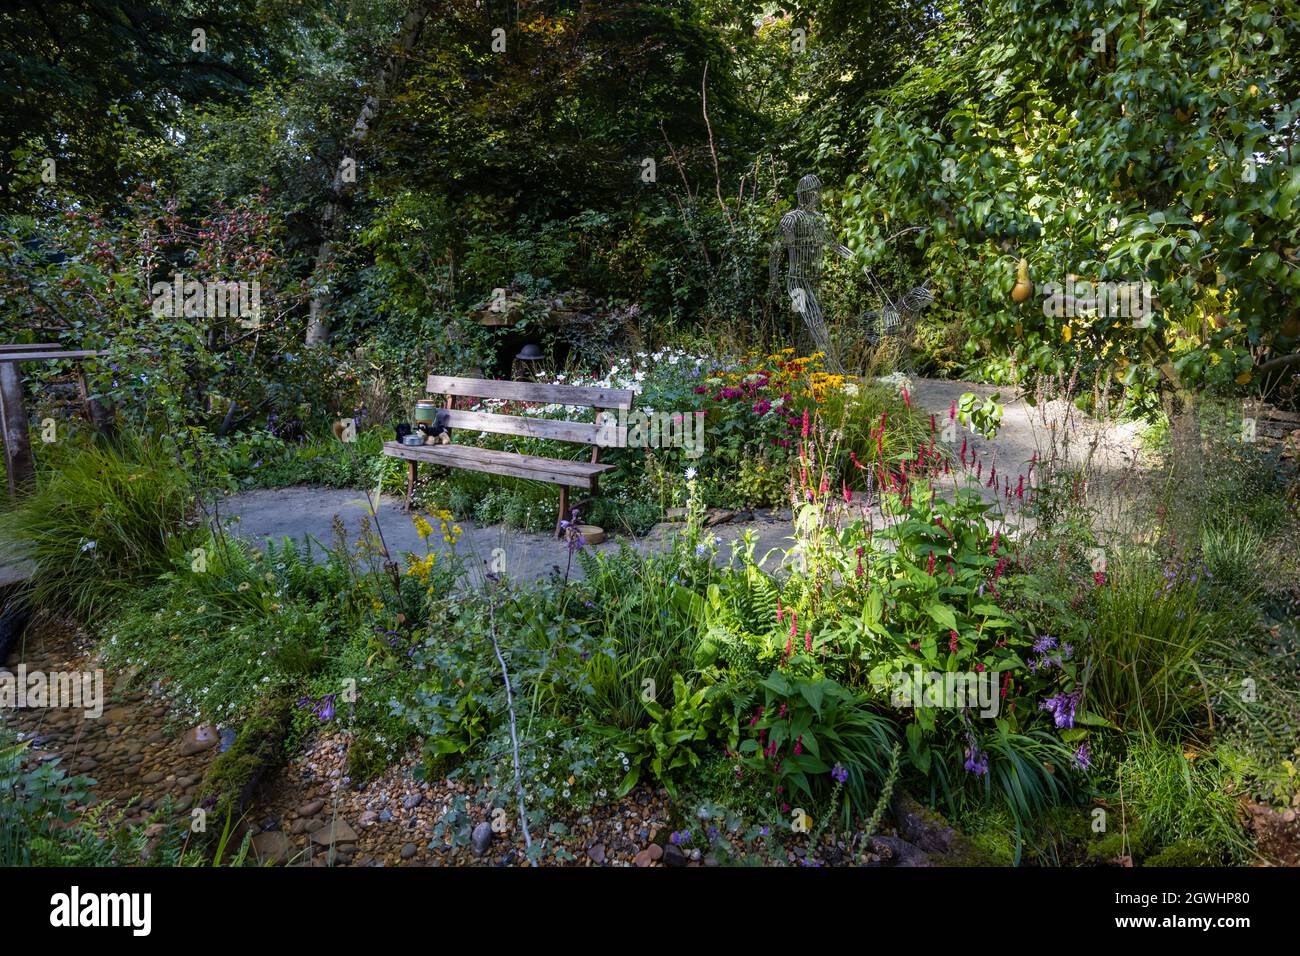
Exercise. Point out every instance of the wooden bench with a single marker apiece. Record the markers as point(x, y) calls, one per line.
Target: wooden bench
point(603, 433)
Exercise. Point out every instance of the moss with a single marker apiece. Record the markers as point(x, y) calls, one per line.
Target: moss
point(1117, 841)
point(258, 749)
point(1185, 853)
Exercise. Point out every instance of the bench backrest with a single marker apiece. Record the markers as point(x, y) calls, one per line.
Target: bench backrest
point(602, 433)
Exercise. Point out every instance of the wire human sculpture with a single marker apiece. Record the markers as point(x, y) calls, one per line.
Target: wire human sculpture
point(803, 236)
point(897, 318)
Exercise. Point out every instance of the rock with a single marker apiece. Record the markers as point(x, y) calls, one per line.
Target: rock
point(929, 832)
point(596, 853)
point(710, 860)
point(481, 839)
point(368, 818)
point(895, 852)
point(643, 859)
point(408, 850)
point(695, 855)
point(338, 831)
point(385, 816)
point(673, 855)
point(311, 809)
point(656, 851)
point(272, 846)
point(413, 801)
point(152, 777)
point(198, 739)
point(227, 736)
point(675, 514)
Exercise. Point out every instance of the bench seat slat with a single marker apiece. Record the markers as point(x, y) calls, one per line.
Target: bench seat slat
point(536, 392)
point(557, 471)
point(583, 433)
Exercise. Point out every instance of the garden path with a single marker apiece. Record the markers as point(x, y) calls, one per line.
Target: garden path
point(307, 513)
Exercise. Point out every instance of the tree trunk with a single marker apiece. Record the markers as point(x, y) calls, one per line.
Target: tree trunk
point(318, 329)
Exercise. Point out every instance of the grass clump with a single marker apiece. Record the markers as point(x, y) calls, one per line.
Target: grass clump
point(104, 519)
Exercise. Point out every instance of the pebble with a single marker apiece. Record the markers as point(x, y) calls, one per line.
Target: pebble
point(198, 739)
point(338, 831)
point(481, 839)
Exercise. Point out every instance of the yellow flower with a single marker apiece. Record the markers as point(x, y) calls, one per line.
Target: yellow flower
point(419, 568)
point(422, 527)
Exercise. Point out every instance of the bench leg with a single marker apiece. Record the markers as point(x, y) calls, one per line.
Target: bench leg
point(410, 482)
point(564, 509)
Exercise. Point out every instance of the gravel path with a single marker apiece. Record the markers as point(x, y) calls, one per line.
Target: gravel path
point(305, 513)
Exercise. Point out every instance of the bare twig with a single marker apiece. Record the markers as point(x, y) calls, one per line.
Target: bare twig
point(514, 733)
point(713, 150)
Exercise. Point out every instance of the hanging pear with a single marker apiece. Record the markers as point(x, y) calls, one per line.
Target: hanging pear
point(1023, 288)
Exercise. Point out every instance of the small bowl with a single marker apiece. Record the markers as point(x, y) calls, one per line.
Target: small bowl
point(416, 439)
point(591, 534)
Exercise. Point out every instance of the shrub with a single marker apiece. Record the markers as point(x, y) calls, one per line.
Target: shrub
point(35, 804)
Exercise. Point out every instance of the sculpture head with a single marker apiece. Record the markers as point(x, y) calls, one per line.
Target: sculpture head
point(808, 192)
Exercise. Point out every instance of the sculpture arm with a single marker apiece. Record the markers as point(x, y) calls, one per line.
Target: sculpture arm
point(774, 265)
point(843, 251)
point(784, 238)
